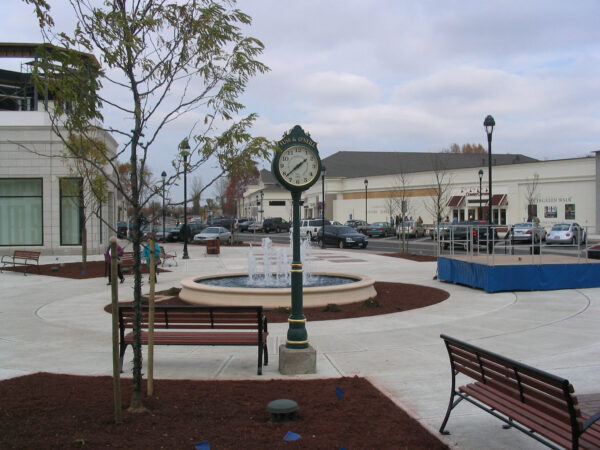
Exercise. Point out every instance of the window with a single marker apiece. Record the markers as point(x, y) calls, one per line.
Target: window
point(71, 211)
point(277, 203)
point(21, 211)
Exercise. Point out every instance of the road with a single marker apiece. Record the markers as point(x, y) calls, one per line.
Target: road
point(419, 246)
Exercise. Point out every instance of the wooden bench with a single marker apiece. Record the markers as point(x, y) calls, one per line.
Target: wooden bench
point(535, 402)
point(126, 262)
point(199, 325)
point(164, 256)
point(24, 258)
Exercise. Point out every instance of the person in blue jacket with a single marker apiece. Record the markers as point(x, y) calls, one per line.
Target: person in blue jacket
point(146, 254)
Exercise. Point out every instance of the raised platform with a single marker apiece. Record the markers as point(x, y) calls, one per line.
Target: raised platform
point(520, 273)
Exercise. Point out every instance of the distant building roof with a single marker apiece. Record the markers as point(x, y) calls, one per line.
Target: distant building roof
point(30, 50)
point(358, 164)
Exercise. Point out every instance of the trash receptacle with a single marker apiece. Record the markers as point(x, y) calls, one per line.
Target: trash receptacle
point(213, 247)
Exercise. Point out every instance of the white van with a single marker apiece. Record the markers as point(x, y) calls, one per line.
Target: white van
point(310, 227)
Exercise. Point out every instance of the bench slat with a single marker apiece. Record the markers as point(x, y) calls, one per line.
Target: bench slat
point(237, 338)
point(519, 416)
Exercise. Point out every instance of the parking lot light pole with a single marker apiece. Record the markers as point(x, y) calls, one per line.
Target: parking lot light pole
point(366, 184)
point(489, 124)
point(480, 207)
point(185, 147)
point(323, 206)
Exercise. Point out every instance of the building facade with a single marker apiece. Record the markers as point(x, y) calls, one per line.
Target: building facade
point(374, 186)
point(42, 205)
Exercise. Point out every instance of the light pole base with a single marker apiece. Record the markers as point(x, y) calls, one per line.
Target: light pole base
point(297, 361)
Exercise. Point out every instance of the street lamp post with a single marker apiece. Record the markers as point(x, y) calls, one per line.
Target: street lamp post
point(480, 208)
point(262, 206)
point(164, 178)
point(366, 184)
point(185, 147)
point(323, 206)
point(489, 124)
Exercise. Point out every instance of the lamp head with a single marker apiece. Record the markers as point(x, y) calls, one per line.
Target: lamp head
point(163, 175)
point(366, 182)
point(489, 124)
point(480, 173)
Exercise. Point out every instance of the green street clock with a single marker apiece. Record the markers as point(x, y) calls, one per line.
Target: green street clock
point(298, 165)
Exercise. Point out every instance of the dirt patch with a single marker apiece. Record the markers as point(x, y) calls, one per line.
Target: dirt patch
point(412, 256)
point(75, 270)
point(63, 411)
point(390, 298)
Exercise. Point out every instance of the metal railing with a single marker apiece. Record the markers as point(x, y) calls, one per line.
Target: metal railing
point(491, 240)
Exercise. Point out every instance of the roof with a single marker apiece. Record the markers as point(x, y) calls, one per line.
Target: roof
point(358, 164)
point(30, 50)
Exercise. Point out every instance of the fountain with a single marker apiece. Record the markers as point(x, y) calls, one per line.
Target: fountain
point(271, 287)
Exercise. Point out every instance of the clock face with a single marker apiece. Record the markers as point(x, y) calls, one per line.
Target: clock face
point(298, 165)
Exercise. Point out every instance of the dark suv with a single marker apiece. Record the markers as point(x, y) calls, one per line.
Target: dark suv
point(276, 224)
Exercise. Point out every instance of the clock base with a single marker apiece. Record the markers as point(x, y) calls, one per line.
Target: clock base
point(297, 361)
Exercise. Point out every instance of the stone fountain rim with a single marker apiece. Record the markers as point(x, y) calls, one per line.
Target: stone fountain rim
point(191, 282)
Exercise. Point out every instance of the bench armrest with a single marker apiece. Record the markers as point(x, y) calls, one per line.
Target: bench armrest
point(591, 420)
point(9, 258)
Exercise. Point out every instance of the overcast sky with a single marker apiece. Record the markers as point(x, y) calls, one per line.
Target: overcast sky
point(395, 75)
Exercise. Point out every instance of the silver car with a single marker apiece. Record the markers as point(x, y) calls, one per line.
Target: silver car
point(214, 233)
point(526, 232)
point(566, 233)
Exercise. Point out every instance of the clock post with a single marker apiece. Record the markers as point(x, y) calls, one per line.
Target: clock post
point(297, 166)
point(297, 337)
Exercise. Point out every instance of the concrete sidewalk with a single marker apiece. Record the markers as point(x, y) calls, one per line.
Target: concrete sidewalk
point(58, 325)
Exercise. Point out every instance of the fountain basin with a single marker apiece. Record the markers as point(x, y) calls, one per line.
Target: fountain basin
point(196, 292)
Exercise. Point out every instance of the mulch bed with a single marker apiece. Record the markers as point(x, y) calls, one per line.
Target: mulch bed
point(63, 411)
point(94, 269)
point(390, 298)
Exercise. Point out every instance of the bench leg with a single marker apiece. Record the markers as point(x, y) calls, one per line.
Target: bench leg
point(260, 358)
point(266, 355)
point(451, 405)
point(122, 350)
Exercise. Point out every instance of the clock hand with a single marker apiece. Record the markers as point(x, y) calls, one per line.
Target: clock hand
point(296, 167)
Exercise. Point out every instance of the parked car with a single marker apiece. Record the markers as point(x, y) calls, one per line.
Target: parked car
point(526, 233)
point(148, 229)
point(255, 226)
point(462, 234)
point(382, 229)
point(411, 228)
point(171, 234)
point(194, 228)
point(566, 233)
point(210, 233)
point(310, 227)
point(438, 228)
point(243, 226)
point(122, 230)
point(358, 225)
point(342, 236)
point(225, 222)
point(276, 224)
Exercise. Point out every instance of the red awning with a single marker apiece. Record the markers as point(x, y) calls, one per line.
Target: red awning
point(497, 199)
point(455, 200)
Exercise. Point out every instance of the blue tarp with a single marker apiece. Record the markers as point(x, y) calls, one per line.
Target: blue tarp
point(519, 277)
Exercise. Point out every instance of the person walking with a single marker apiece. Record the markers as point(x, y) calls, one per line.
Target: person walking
point(107, 262)
point(146, 254)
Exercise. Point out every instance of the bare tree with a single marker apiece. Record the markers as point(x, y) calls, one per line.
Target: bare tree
point(197, 189)
point(437, 203)
point(531, 192)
